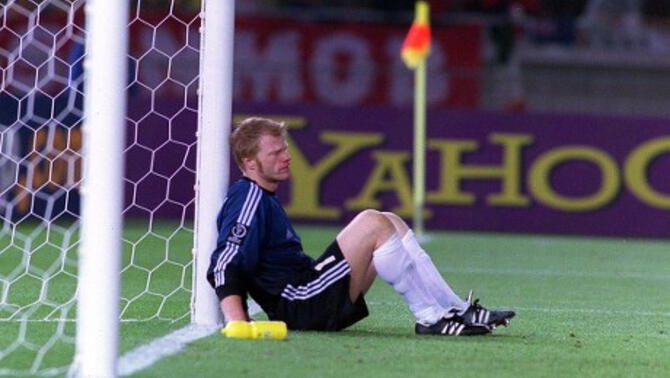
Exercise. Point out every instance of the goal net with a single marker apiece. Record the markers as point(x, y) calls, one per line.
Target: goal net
point(42, 50)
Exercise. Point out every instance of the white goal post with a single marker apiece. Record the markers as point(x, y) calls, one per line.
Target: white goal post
point(216, 88)
point(75, 76)
point(102, 190)
point(99, 257)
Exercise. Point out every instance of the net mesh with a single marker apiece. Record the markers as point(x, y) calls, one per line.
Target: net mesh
point(41, 97)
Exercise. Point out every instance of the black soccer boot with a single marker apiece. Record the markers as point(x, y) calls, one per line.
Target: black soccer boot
point(453, 326)
point(476, 314)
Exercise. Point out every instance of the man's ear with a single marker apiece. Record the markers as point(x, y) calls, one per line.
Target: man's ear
point(249, 163)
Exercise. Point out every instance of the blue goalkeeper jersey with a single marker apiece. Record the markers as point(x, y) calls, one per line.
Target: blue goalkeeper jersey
point(258, 252)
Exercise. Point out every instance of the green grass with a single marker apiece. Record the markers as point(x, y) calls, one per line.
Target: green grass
point(585, 307)
point(38, 267)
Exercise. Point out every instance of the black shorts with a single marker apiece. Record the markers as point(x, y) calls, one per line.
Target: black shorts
point(319, 298)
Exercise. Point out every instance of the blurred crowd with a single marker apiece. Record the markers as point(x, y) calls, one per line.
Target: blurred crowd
point(631, 24)
point(607, 24)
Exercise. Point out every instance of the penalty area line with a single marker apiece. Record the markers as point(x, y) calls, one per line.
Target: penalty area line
point(146, 355)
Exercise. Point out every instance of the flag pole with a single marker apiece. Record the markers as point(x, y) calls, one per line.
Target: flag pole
point(419, 147)
point(414, 53)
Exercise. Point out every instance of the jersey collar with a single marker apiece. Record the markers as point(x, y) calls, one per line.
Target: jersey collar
point(262, 188)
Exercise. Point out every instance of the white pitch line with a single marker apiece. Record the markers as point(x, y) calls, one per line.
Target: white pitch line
point(554, 309)
point(595, 311)
point(565, 273)
point(148, 354)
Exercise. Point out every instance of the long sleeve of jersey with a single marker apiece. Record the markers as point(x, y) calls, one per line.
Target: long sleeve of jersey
point(241, 232)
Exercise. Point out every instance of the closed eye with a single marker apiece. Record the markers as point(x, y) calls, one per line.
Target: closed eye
point(279, 151)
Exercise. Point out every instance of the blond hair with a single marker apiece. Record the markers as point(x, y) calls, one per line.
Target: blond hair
point(245, 139)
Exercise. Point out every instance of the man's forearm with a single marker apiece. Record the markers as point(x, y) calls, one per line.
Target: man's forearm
point(233, 308)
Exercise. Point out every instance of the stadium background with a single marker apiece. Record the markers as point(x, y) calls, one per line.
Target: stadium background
point(548, 121)
point(543, 117)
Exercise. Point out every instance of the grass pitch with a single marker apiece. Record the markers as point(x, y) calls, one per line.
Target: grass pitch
point(585, 307)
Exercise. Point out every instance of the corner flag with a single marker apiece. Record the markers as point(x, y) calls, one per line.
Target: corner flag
point(414, 52)
point(416, 46)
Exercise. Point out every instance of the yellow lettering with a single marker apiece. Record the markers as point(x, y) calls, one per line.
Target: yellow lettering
point(22, 196)
point(453, 171)
point(74, 162)
point(306, 179)
point(57, 159)
point(389, 175)
point(540, 178)
point(54, 162)
point(58, 173)
point(635, 172)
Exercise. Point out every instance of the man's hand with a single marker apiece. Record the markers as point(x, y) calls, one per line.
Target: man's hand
point(233, 309)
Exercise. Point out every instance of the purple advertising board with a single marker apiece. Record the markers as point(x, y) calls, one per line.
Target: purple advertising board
point(351, 135)
point(493, 172)
point(555, 174)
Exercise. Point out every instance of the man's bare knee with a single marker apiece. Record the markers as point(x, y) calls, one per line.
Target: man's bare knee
point(374, 217)
point(399, 224)
point(377, 223)
point(368, 215)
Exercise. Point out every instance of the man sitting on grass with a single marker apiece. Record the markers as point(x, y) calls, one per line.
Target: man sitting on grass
point(259, 254)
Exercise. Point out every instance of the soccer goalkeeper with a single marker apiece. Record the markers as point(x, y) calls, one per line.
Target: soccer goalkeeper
point(259, 254)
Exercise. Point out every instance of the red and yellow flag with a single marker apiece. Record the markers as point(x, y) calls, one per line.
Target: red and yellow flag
point(416, 46)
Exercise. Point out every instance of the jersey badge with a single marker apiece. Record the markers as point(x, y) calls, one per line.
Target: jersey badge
point(237, 233)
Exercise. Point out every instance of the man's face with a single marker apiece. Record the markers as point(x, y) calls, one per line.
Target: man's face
point(272, 162)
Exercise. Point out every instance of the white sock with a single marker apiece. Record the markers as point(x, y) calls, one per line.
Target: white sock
point(431, 277)
point(395, 266)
